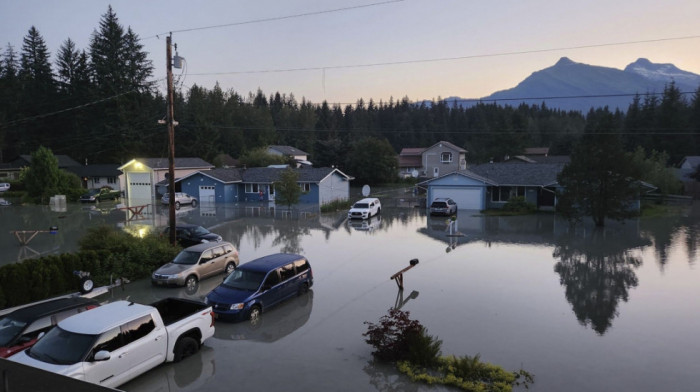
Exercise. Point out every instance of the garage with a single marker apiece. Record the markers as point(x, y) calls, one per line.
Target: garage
point(207, 194)
point(139, 188)
point(466, 198)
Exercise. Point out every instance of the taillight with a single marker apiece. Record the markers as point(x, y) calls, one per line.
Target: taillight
point(212, 318)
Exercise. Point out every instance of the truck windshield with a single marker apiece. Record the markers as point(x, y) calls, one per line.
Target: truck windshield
point(62, 347)
point(185, 257)
point(244, 280)
point(9, 329)
point(361, 205)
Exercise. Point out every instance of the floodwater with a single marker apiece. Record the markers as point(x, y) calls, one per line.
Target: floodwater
point(581, 309)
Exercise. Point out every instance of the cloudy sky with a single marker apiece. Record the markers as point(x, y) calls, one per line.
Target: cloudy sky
point(341, 51)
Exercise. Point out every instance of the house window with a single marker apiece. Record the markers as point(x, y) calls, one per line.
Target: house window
point(95, 180)
point(446, 157)
point(305, 187)
point(251, 188)
point(504, 193)
point(111, 180)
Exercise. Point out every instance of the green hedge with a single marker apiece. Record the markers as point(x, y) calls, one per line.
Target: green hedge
point(105, 252)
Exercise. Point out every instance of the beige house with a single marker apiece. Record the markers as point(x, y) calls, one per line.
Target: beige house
point(142, 175)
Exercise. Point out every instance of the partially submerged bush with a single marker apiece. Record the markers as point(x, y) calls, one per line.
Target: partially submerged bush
point(518, 204)
point(399, 339)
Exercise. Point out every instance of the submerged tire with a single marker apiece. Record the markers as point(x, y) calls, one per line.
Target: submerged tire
point(185, 347)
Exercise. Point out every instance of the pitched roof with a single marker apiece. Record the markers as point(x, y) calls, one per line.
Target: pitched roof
point(448, 145)
point(533, 174)
point(412, 151)
point(410, 161)
point(179, 163)
point(99, 170)
point(537, 151)
point(63, 160)
point(288, 150)
point(271, 174)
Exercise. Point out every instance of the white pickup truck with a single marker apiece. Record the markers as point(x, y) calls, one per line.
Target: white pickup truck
point(122, 340)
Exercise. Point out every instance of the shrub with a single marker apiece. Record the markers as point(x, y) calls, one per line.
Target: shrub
point(518, 204)
point(396, 338)
point(336, 205)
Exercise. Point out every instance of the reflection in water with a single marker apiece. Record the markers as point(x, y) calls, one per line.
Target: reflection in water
point(597, 270)
point(274, 324)
point(385, 377)
point(400, 301)
point(191, 374)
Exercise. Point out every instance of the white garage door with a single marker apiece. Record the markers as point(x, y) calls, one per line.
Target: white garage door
point(207, 194)
point(466, 198)
point(139, 188)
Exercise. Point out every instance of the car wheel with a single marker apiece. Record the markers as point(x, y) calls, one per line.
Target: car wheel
point(194, 203)
point(191, 282)
point(185, 347)
point(86, 285)
point(229, 268)
point(255, 316)
point(177, 205)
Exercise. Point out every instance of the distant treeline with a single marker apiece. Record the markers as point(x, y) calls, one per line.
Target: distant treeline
point(101, 105)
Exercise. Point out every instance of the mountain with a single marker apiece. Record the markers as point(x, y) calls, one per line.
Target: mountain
point(568, 85)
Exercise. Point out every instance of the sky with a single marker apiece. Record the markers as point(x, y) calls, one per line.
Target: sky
point(341, 51)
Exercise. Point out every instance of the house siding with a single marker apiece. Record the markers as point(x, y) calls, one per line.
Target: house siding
point(333, 188)
point(432, 159)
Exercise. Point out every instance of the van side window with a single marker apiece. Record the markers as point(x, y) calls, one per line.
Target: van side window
point(136, 329)
point(272, 278)
point(301, 265)
point(287, 271)
point(218, 251)
point(109, 341)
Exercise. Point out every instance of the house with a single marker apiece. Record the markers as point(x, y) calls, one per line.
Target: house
point(98, 176)
point(491, 185)
point(11, 170)
point(441, 158)
point(142, 174)
point(229, 185)
point(300, 157)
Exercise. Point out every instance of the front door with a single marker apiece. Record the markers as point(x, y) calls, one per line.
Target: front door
point(271, 193)
point(436, 172)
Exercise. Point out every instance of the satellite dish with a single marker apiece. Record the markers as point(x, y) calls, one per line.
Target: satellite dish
point(365, 190)
point(414, 173)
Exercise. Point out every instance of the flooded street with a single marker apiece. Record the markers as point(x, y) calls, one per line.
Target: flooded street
point(581, 309)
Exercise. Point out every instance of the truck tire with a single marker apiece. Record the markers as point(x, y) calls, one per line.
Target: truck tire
point(194, 203)
point(185, 347)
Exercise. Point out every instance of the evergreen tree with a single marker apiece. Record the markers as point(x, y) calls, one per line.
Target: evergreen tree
point(372, 161)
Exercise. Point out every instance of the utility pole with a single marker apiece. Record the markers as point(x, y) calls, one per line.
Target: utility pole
point(171, 141)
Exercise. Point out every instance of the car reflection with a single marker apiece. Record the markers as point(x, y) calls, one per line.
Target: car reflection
point(368, 224)
point(275, 324)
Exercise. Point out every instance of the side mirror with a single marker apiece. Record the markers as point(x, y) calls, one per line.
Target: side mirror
point(41, 335)
point(102, 355)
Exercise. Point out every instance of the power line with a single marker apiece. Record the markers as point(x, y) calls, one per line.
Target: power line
point(271, 19)
point(416, 61)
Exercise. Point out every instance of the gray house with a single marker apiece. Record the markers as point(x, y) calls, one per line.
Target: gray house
point(98, 176)
point(439, 159)
point(319, 185)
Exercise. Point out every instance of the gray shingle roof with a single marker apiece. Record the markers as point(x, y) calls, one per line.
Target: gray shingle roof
point(180, 163)
point(99, 170)
point(532, 174)
point(264, 175)
point(288, 150)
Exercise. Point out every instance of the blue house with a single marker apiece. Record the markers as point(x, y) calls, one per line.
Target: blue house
point(229, 185)
point(491, 185)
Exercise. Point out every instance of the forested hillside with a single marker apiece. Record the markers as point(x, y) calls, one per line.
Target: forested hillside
point(100, 104)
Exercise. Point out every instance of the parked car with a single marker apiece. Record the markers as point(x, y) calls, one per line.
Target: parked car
point(443, 206)
point(21, 328)
point(196, 263)
point(102, 194)
point(258, 285)
point(4, 202)
point(188, 235)
point(4, 186)
point(365, 208)
point(121, 340)
point(180, 199)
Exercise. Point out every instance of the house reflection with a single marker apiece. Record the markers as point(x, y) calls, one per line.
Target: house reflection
point(274, 324)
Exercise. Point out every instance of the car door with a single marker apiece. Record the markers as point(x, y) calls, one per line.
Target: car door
point(205, 265)
point(269, 290)
point(107, 372)
point(288, 284)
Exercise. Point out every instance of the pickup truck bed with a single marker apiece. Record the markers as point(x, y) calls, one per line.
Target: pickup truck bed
point(173, 310)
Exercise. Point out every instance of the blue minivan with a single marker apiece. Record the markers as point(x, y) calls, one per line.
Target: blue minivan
point(257, 285)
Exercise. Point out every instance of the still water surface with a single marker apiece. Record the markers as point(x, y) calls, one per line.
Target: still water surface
point(581, 309)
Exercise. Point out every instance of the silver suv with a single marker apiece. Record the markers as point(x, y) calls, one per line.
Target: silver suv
point(443, 206)
point(181, 198)
point(196, 263)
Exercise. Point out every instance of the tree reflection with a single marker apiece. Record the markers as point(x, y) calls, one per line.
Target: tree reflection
point(598, 269)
